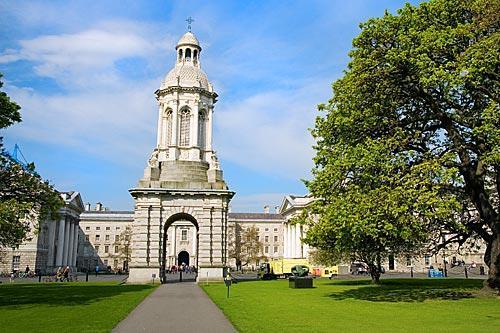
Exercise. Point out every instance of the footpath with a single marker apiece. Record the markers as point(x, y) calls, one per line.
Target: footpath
point(179, 307)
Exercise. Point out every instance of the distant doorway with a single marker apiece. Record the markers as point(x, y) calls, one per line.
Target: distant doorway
point(183, 258)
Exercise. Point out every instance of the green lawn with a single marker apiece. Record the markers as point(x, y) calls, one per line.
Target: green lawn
point(398, 305)
point(67, 307)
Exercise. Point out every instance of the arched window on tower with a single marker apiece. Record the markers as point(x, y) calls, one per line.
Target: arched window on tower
point(168, 118)
point(184, 127)
point(202, 128)
point(195, 56)
point(180, 55)
point(188, 54)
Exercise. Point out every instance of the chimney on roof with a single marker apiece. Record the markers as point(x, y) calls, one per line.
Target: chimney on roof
point(98, 206)
point(266, 209)
point(87, 206)
point(277, 209)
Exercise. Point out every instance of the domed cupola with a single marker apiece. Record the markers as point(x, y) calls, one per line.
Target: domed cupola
point(187, 70)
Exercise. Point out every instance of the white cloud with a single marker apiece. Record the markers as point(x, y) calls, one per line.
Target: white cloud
point(101, 111)
point(117, 126)
point(87, 59)
point(268, 132)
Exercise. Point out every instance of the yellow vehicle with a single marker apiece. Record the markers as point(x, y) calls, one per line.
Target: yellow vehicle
point(328, 272)
point(280, 268)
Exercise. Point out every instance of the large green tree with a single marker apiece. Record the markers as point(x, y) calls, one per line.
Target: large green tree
point(408, 148)
point(24, 196)
point(245, 246)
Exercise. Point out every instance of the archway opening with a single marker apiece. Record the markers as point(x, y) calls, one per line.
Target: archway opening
point(183, 258)
point(179, 255)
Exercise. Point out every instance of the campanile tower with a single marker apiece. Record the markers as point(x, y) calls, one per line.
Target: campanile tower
point(183, 180)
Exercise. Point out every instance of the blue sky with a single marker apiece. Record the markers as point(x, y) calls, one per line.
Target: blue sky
point(84, 73)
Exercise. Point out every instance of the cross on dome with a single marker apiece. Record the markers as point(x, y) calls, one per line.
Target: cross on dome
point(189, 20)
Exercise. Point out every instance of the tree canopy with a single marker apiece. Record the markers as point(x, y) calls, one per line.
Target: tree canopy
point(24, 196)
point(245, 246)
point(408, 148)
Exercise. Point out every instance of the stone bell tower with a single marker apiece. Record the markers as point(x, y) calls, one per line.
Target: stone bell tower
point(182, 180)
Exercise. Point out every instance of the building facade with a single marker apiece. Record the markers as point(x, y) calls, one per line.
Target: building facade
point(104, 239)
point(101, 245)
point(50, 244)
point(452, 257)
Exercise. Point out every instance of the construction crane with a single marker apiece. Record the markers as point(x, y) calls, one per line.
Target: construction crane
point(17, 156)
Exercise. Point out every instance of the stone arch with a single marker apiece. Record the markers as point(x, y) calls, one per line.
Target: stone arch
point(188, 54)
point(179, 59)
point(177, 215)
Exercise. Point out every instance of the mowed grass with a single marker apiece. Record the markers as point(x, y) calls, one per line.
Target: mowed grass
point(67, 307)
point(398, 305)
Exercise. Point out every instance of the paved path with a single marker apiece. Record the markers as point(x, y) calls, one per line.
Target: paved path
point(179, 307)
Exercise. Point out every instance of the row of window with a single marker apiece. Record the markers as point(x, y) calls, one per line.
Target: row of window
point(106, 249)
point(97, 238)
point(266, 238)
point(267, 229)
point(266, 249)
point(106, 238)
point(99, 228)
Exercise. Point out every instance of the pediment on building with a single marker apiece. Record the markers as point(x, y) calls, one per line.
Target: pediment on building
point(286, 204)
point(294, 201)
point(74, 200)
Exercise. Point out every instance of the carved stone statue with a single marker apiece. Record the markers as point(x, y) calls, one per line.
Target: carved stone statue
point(153, 160)
point(215, 162)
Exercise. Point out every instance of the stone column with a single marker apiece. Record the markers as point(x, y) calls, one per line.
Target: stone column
point(175, 124)
point(66, 243)
point(285, 240)
point(75, 245)
point(174, 244)
point(60, 242)
point(52, 244)
point(208, 139)
point(193, 251)
point(159, 140)
point(70, 243)
point(289, 240)
point(194, 152)
point(299, 242)
point(194, 127)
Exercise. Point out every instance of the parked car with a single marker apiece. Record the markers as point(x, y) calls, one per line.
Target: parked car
point(359, 268)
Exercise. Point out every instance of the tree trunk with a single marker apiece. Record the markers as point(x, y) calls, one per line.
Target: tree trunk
point(492, 259)
point(375, 273)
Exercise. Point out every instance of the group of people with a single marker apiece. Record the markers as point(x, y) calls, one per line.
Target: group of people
point(62, 274)
point(181, 268)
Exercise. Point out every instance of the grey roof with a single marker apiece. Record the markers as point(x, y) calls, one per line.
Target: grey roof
point(254, 216)
point(108, 212)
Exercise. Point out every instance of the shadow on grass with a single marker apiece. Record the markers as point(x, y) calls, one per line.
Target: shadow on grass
point(408, 290)
point(62, 294)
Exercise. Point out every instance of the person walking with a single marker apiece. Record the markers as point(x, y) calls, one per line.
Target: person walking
point(66, 274)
